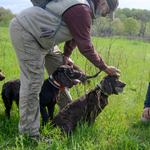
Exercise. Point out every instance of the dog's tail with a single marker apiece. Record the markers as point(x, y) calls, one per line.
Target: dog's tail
point(94, 76)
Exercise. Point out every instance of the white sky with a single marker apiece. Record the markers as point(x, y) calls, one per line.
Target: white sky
point(17, 5)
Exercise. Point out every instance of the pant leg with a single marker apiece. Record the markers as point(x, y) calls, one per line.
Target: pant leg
point(31, 63)
point(52, 61)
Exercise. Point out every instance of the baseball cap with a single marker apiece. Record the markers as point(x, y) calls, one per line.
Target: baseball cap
point(113, 4)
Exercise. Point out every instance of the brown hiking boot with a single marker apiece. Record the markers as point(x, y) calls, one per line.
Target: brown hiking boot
point(39, 138)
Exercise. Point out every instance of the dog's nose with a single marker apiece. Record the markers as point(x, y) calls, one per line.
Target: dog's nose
point(2, 77)
point(124, 84)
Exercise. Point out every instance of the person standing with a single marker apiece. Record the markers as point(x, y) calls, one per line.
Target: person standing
point(35, 33)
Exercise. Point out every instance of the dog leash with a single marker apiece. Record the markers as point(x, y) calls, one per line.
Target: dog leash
point(55, 83)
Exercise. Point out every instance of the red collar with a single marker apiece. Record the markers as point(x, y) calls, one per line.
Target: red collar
point(55, 83)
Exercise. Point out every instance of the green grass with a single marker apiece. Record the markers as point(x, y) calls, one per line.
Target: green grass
point(118, 127)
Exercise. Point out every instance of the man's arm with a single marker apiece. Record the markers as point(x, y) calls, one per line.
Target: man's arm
point(78, 20)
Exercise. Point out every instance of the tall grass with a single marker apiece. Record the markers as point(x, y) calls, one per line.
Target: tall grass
point(117, 127)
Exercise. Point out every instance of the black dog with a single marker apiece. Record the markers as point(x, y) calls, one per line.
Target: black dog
point(63, 77)
point(88, 106)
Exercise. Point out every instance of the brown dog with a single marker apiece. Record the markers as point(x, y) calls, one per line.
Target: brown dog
point(2, 77)
point(88, 106)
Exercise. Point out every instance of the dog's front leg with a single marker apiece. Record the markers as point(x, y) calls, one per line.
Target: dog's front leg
point(91, 118)
point(44, 114)
point(51, 111)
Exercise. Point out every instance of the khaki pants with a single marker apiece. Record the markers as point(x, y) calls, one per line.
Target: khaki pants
point(32, 59)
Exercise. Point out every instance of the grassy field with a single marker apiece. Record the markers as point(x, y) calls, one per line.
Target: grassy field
point(118, 127)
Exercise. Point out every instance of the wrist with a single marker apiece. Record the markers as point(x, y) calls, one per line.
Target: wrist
point(66, 54)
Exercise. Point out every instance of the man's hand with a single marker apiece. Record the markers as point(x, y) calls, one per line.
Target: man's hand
point(146, 113)
point(68, 61)
point(112, 71)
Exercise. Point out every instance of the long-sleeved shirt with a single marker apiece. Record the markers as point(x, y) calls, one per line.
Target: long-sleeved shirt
point(78, 20)
point(147, 101)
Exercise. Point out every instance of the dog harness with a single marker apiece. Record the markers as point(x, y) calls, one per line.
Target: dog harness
point(105, 93)
point(55, 83)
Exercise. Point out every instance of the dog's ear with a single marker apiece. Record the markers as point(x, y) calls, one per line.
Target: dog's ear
point(106, 85)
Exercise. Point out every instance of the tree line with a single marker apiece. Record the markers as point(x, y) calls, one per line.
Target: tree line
point(5, 17)
point(127, 22)
point(132, 22)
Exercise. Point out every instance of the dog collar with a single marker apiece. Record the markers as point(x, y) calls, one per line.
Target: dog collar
point(105, 93)
point(55, 83)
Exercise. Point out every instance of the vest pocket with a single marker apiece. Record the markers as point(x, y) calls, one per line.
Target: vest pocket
point(47, 33)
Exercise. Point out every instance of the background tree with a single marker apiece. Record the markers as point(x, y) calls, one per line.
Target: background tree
point(147, 32)
point(144, 16)
point(126, 12)
point(122, 18)
point(117, 26)
point(120, 15)
point(131, 27)
point(5, 17)
point(101, 27)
